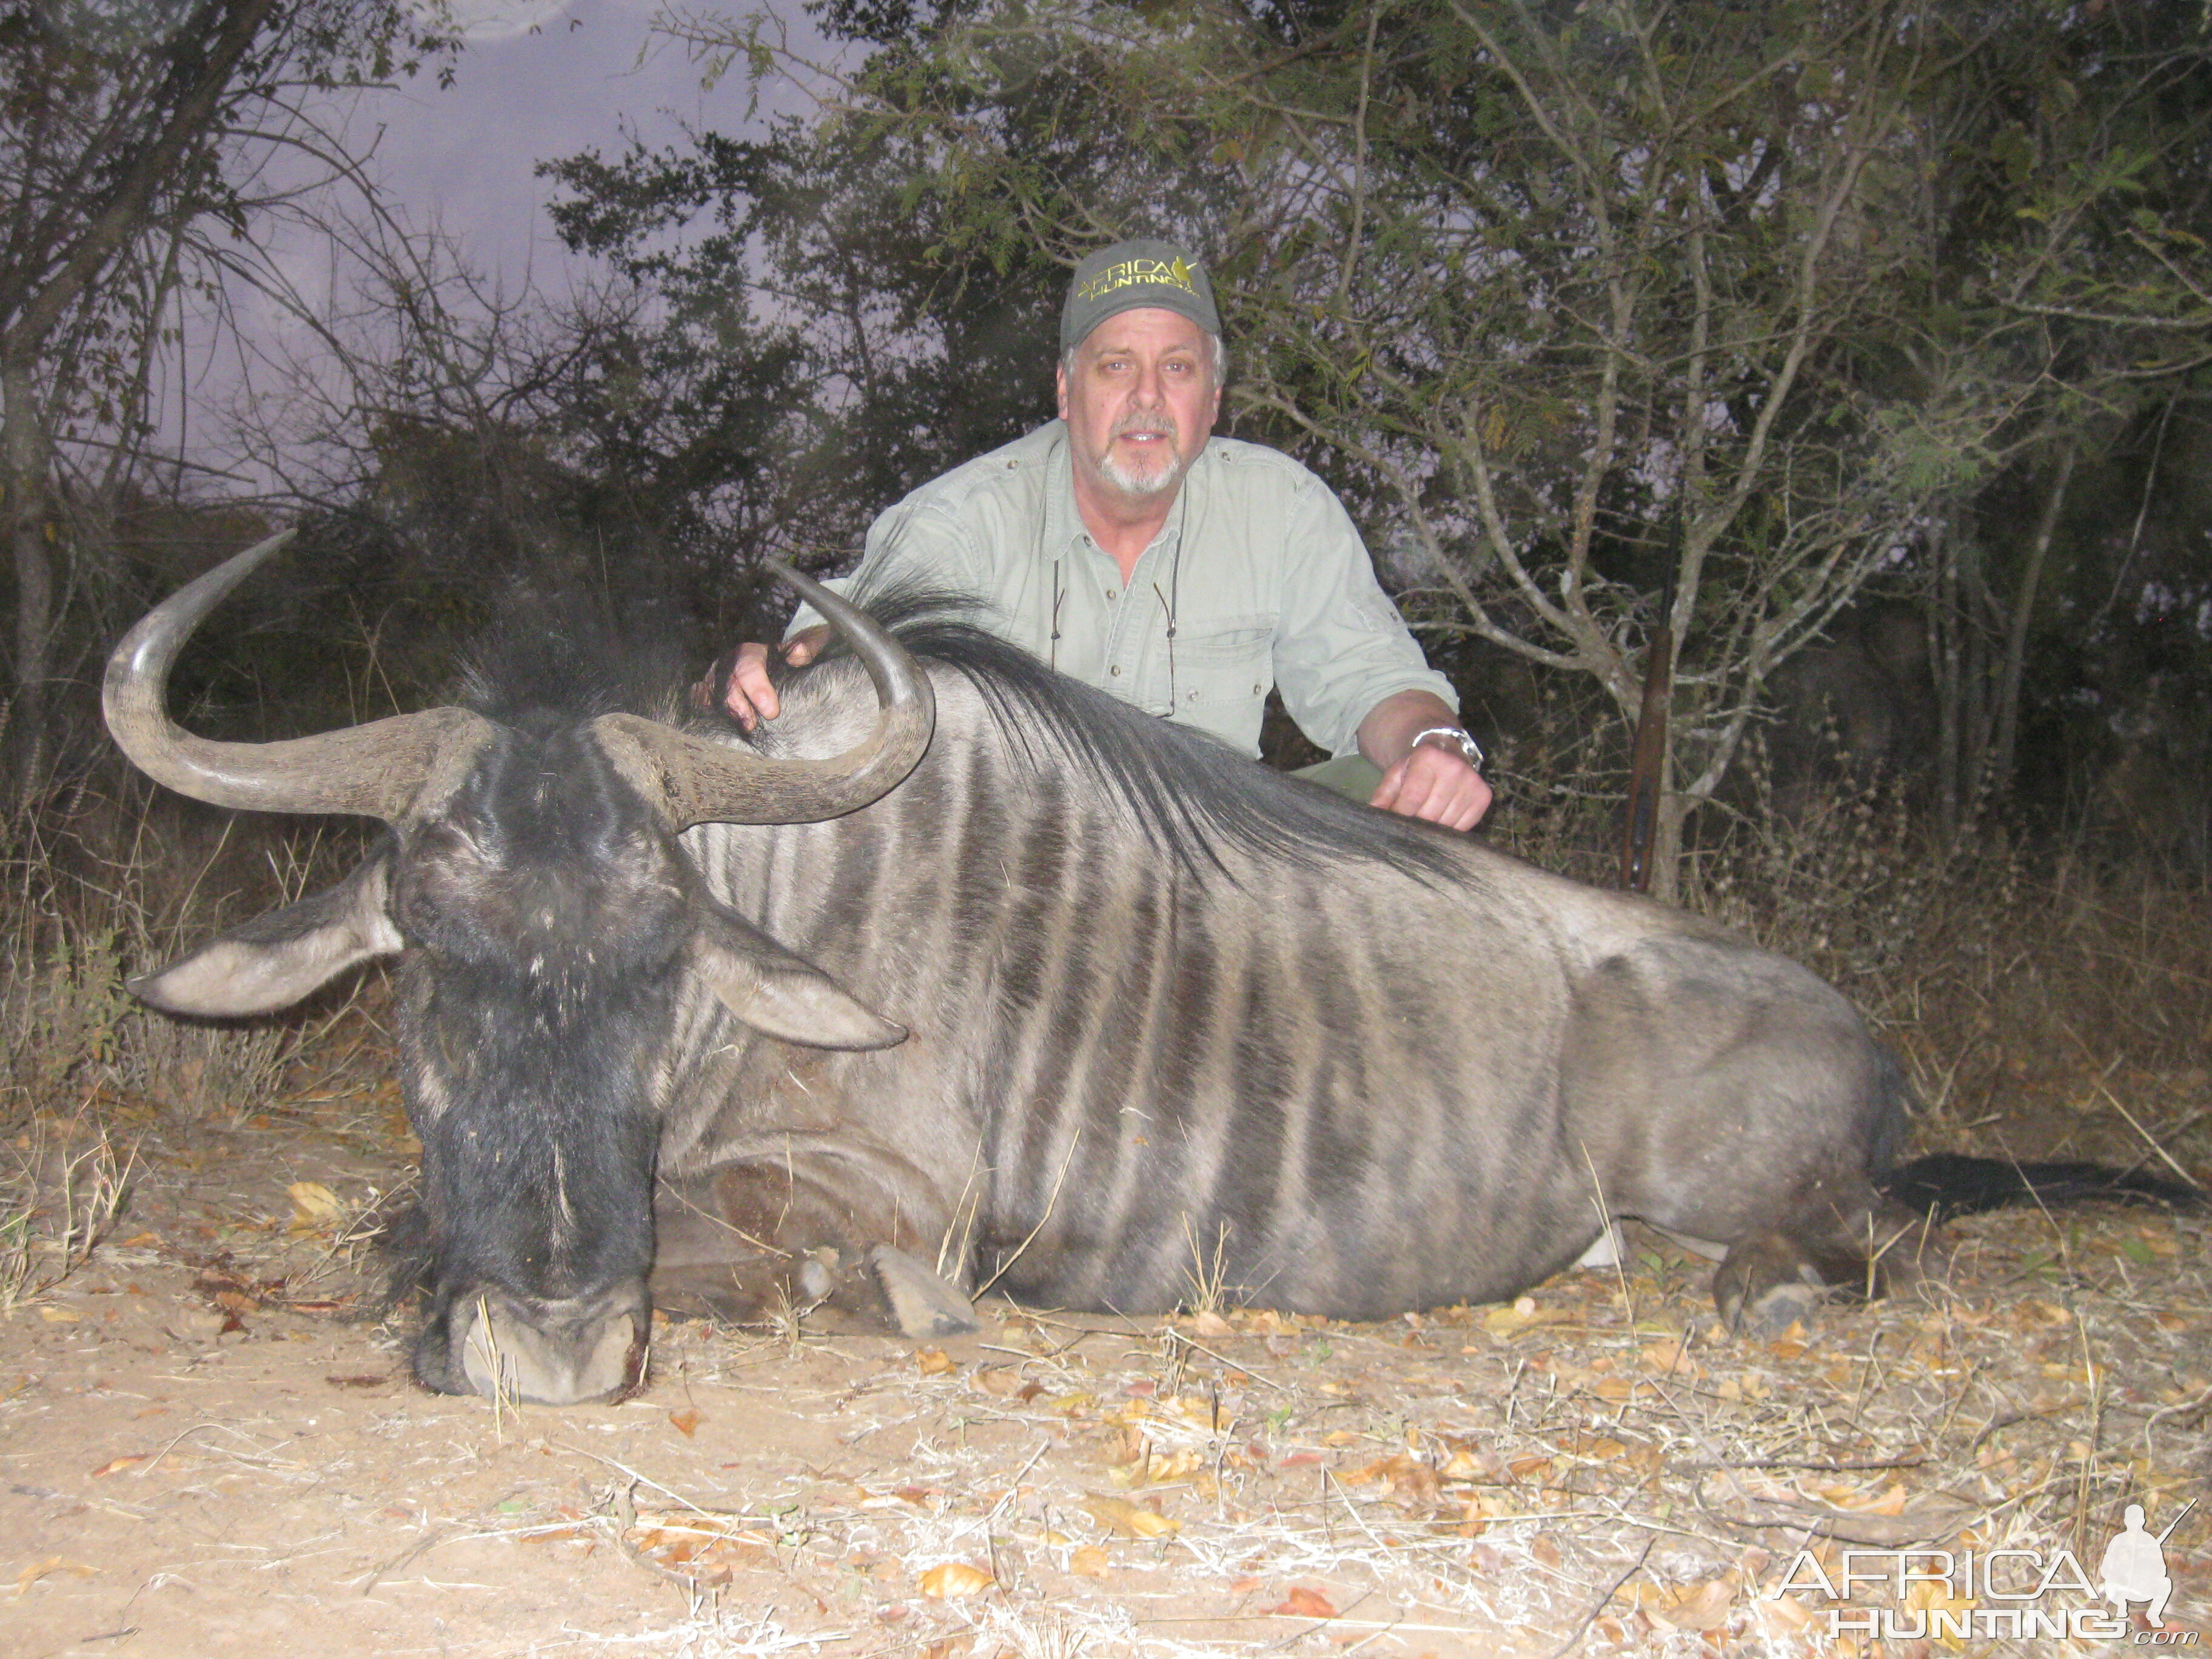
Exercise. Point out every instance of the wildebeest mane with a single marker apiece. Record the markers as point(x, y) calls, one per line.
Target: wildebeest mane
point(1194, 798)
point(568, 657)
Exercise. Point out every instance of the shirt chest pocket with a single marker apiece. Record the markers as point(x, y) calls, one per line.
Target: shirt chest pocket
point(1222, 659)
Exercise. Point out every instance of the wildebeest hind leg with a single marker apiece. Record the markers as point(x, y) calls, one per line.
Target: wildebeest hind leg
point(1769, 1280)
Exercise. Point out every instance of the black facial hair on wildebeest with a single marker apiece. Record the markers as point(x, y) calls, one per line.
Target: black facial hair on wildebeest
point(1160, 1014)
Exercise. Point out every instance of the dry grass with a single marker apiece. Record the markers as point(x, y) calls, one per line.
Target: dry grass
point(84, 905)
point(60, 1196)
point(1597, 1468)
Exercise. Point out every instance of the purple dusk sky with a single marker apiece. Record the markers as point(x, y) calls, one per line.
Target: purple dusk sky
point(539, 79)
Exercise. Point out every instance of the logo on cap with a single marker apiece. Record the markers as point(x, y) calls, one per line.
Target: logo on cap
point(1135, 273)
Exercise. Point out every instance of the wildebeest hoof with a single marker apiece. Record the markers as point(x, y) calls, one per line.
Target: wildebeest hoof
point(818, 1277)
point(1774, 1310)
point(1764, 1285)
point(922, 1302)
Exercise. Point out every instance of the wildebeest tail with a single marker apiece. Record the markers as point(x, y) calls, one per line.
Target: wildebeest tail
point(1948, 1184)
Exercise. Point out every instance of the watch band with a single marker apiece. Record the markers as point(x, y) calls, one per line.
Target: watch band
point(1461, 739)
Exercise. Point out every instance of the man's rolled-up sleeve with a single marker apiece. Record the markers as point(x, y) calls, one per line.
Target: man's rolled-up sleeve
point(1341, 646)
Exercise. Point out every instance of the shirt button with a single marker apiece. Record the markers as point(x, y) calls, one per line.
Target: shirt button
point(1111, 594)
point(1116, 670)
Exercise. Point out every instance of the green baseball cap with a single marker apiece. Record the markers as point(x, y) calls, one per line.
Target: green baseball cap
point(1128, 275)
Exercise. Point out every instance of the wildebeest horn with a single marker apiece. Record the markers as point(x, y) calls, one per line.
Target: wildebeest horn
point(376, 770)
point(696, 781)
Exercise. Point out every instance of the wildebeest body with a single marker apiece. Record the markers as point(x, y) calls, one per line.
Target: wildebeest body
point(1390, 1073)
point(1066, 1000)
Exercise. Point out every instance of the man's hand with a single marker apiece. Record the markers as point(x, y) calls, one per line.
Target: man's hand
point(740, 681)
point(1437, 784)
point(1431, 780)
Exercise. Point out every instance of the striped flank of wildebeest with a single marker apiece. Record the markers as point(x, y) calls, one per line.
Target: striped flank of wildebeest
point(1177, 1021)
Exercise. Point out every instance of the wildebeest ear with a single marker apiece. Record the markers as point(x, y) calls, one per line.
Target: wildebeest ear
point(273, 961)
point(784, 995)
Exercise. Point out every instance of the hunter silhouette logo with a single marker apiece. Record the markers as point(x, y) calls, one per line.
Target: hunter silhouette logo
point(2134, 1567)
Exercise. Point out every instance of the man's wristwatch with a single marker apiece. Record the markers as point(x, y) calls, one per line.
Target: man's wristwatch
point(1457, 737)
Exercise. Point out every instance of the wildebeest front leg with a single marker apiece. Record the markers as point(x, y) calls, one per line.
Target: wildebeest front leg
point(747, 1240)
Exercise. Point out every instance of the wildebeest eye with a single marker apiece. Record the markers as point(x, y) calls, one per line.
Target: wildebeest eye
point(451, 838)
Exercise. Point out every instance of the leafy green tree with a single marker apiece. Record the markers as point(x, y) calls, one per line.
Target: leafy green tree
point(1578, 307)
point(804, 280)
point(2068, 290)
point(1524, 282)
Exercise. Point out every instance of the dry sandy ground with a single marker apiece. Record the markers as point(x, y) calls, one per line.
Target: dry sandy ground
point(206, 1450)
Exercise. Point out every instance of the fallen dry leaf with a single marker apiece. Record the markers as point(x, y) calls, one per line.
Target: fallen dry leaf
point(117, 1465)
point(1694, 1606)
point(1089, 1562)
point(40, 1569)
point(687, 1421)
point(1891, 1502)
point(1510, 1320)
point(1670, 1358)
point(933, 1362)
point(1461, 1465)
point(954, 1581)
point(313, 1205)
point(1304, 1603)
point(1130, 1520)
point(1406, 1475)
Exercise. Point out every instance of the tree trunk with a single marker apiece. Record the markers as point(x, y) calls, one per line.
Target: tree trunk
point(1943, 625)
point(23, 441)
point(1674, 809)
point(2003, 745)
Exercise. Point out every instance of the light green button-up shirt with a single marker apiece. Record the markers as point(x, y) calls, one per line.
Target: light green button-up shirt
point(1257, 579)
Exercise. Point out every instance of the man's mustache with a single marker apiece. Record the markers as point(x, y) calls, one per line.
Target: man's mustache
point(1151, 425)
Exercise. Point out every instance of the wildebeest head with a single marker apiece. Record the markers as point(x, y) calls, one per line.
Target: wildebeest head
point(548, 922)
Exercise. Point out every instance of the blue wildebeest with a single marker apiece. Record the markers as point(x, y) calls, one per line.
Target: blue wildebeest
point(1159, 1014)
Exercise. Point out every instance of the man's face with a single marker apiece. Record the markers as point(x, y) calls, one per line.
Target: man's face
point(1139, 402)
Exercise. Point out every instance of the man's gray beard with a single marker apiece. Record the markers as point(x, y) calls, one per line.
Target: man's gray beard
point(1143, 485)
